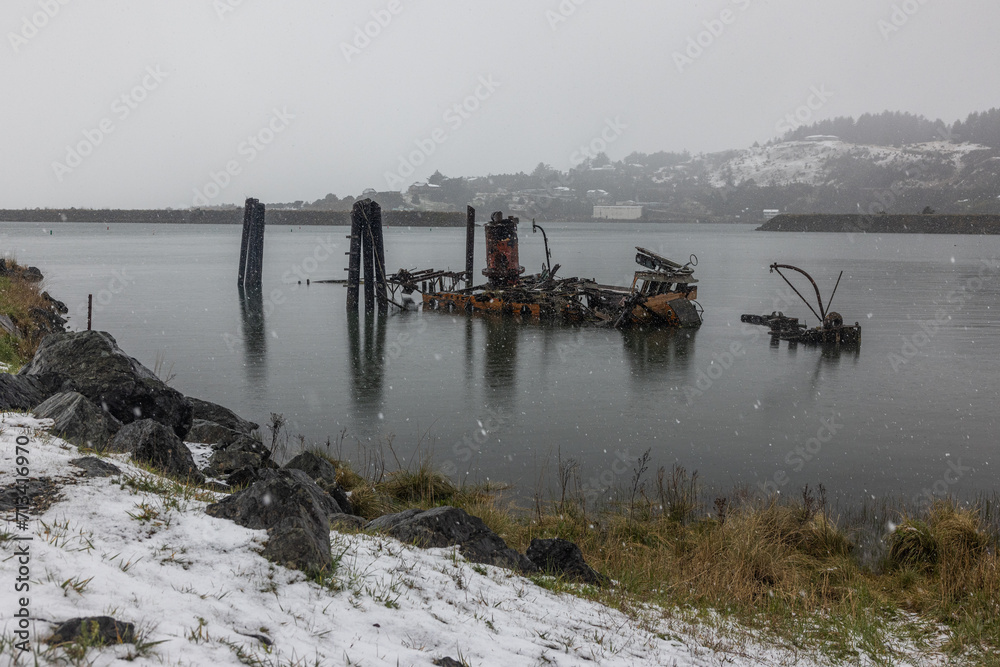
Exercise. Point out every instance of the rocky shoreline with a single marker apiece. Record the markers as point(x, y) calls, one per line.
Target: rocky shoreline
point(98, 398)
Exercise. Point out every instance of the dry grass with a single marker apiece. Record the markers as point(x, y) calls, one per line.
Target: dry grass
point(17, 298)
point(791, 569)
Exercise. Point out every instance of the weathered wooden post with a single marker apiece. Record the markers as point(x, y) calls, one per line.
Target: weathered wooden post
point(375, 221)
point(368, 257)
point(255, 248)
point(367, 249)
point(247, 219)
point(470, 243)
point(354, 263)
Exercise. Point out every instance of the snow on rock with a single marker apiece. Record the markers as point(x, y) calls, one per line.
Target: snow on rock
point(142, 550)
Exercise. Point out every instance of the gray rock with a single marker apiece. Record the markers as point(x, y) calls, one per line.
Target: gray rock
point(449, 526)
point(222, 416)
point(243, 477)
point(294, 510)
point(272, 497)
point(35, 494)
point(47, 321)
point(447, 662)
point(78, 420)
point(346, 522)
point(101, 630)
point(22, 392)
point(300, 542)
point(152, 442)
point(32, 274)
point(7, 326)
point(111, 379)
point(225, 462)
point(211, 433)
point(95, 467)
point(55, 304)
point(563, 558)
point(323, 473)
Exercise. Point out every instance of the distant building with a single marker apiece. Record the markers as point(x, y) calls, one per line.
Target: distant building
point(618, 212)
point(822, 137)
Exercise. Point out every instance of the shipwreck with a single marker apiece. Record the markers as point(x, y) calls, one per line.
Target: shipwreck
point(832, 330)
point(663, 292)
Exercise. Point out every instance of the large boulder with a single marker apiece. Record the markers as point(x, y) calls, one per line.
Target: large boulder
point(153, 443)
point(77, 420)
point(210, 412)
point(211, 433)
point(111, 379)
point(324, 474)
point(563, 558)
point(245, 453)
point(22, 392)
point(295, 512)
point(450, 526)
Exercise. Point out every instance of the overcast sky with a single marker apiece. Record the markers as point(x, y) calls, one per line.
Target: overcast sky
point(137, 103)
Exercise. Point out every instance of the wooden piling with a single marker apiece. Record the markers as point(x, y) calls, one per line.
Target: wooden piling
point(470, 243)
point(368, 259)
point(375, 223)
point(255, 248)
point(247, 218)
point(354, 265)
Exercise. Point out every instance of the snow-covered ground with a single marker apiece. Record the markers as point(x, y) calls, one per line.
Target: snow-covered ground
point(200, 593)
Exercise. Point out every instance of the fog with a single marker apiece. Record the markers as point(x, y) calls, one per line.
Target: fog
point(117, 103)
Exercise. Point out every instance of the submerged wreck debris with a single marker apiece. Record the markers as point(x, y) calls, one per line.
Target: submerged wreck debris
point(662, 294)
point(832, 330)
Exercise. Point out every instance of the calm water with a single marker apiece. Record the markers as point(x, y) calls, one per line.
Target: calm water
point(914, 409)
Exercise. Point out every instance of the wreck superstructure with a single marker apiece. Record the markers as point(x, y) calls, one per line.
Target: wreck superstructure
point(663, 293)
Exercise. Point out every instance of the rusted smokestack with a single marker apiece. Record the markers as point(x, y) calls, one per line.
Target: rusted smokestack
point(502, 267)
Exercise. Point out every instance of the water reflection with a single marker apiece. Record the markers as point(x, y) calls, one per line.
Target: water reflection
point(254, 339)
point(368, 363)
point(653, 351)
point(500, 361)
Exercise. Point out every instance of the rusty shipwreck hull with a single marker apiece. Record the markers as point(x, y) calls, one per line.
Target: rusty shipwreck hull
point(663, 293)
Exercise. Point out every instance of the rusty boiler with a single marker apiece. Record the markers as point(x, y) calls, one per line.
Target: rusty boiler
point(502, 264)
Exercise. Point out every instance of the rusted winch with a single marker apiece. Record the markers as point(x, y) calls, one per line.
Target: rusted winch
point(502, 265)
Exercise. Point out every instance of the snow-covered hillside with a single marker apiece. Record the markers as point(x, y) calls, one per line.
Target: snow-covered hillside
point(816, 162)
